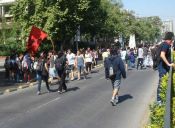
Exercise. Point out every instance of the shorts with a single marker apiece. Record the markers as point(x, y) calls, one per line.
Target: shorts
point(71, 67)
point(80, 68)
point(116, 84)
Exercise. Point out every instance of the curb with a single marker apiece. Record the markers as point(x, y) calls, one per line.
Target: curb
point(23, 86)
point(19, 87)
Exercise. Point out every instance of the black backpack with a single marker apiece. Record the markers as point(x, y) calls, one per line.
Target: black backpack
point(59, 63)
point(156, 56)
point(40, 65)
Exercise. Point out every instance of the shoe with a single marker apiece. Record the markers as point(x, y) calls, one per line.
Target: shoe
point(64, 91)
point(38, 93)
point(72, 79)
point(116, 99)
point(60, 92)
point(113, 102)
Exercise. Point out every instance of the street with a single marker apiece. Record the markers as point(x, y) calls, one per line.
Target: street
point(85, 105)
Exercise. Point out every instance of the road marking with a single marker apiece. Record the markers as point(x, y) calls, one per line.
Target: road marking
point(38, 107)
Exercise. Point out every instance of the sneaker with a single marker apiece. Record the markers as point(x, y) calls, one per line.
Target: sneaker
point(38, 93)
point(59, 92)
point(116, 99)
point(113, 102)
point(64, 91)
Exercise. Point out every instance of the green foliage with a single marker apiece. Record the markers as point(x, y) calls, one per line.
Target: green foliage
point(158, 111)
point(102, 19)
point(173, 102)
point(59, 19)
point(173, 96)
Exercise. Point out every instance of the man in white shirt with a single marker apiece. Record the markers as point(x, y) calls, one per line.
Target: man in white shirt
point(140, 57)
point(71, 62)
point(106, 54)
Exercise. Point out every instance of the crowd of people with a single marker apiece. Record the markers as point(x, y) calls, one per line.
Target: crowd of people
point(63, 64)
point(49, 66)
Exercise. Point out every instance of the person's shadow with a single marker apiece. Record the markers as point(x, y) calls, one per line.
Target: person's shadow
point(124, 97)
point(68, 89)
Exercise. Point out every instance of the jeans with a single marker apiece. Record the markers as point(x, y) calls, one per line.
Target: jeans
point(62, 82)
point(41, 77)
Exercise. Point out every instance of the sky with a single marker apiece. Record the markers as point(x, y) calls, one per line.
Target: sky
point(165, 9)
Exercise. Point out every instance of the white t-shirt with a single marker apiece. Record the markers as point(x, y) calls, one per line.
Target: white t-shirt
point(105, 54)
point(140, 53)
point(71, 58)
point(88, 57)
point(123, 54)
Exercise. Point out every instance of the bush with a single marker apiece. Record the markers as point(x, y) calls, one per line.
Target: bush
point(173, 102)
point(157, 111)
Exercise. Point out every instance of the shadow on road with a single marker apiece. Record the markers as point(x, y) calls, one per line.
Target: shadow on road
point(124, 97)
point(68, 90)
point(94, 71)
point(73, 89)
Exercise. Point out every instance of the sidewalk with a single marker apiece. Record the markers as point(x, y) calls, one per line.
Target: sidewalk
point(7, 86)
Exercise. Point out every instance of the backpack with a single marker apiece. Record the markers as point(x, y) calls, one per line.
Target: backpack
point(110, 69)
point(156, 56)
point(39, 65)
point(59, 63)
point(126, 57)
point(12, 64)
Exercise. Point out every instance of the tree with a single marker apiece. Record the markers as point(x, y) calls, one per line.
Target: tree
point(59, 19)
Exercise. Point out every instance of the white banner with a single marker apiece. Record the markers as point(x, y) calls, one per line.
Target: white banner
point(132, 42)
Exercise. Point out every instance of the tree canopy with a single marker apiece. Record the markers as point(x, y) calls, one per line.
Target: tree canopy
point(102, 19)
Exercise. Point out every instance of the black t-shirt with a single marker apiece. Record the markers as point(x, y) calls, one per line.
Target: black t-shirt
point(167, 49)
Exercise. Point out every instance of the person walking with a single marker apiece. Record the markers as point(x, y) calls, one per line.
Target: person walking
point(114, 70)
point(60, 65)
point(42, 71)
point(140, 57)
point(88, 61)
point(80, 64)
point(71, 62)
point(165, 60)
point(124, 57)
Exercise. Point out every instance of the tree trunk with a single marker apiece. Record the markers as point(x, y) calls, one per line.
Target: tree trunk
point(53, 46)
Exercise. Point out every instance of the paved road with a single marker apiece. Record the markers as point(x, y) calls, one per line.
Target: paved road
point(85, 105)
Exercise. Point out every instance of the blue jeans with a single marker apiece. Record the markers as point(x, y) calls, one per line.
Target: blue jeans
point(40, 77)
